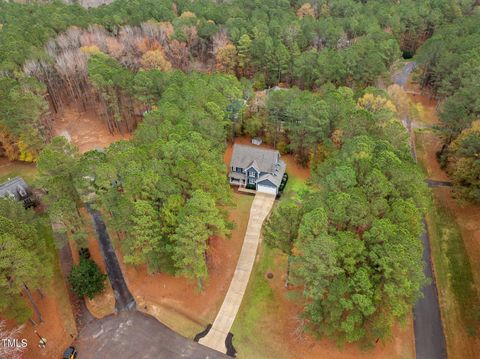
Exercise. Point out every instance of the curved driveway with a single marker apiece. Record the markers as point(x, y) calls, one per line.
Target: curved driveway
point(130, 334)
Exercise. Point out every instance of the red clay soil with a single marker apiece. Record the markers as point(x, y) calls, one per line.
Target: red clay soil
point(467, 216)
point(103, 304)
point(293, 168)
point(285, 332)
point(429, 104)
point(431, 144)
point(85, 130)
point(181, 295)
point(58, 326)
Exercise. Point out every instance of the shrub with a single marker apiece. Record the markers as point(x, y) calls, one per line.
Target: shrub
point(86, 279)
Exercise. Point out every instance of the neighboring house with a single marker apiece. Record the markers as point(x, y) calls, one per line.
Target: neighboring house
point(256, 167)
point(17, 189)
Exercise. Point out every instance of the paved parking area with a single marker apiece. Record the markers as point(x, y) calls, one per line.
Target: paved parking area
point(135, 335)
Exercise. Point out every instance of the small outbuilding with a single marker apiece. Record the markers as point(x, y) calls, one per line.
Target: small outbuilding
point(257, 141)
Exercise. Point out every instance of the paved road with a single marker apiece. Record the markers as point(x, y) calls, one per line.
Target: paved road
point(427, 322)
point(216, 337)
point(435, 183)
point(123, 298)
point(129, 334)
point(135, 335)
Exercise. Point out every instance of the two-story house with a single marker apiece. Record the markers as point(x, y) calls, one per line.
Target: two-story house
point(256, 167)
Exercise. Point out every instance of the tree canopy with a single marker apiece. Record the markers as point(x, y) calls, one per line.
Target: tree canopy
point(25, 256)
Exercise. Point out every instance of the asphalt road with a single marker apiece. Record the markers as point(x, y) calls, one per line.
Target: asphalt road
point(135, 335)
point(123, 298)
point(427, 322)
point(434, 183)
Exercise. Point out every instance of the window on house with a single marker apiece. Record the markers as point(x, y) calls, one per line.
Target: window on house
point(252, 174)
point(251, 180)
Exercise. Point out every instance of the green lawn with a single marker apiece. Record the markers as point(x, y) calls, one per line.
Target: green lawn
point(458, 297)
point(452, 266)
point(251, 329)
point(8, 169)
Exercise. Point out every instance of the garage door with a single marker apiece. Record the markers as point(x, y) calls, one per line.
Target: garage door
point(266, 189)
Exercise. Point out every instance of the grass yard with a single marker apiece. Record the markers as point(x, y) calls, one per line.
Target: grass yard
point(454, 231)
point(9, 169)
point(251, 327)
point(459, 301)
point(268, 324)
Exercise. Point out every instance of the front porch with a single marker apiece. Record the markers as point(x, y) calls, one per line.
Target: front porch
point(246, 190)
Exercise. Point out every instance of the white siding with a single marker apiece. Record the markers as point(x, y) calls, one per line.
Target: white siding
point(266, 189)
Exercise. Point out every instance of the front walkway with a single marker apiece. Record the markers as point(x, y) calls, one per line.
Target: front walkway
point(215, 339)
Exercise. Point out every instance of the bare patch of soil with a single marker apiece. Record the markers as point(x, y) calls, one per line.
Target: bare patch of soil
point(176, 301)
point(59, 324)
point(428, 144)
point(103, 304)
point(85, 130)
point(295, 344)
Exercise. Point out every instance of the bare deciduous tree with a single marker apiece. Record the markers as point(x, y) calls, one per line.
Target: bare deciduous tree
point(8, 352)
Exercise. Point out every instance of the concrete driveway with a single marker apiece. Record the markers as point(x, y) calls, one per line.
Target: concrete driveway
point(216, 337)
point(135, 335)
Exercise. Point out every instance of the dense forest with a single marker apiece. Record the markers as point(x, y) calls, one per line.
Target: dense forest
point(352, 238)
point(450, 67)
point(26, 258)
point(186, 77)
point(342, 42)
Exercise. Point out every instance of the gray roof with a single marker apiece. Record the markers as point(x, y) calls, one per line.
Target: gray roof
point(263, 159)
point(14, 188)
point(276, 176)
